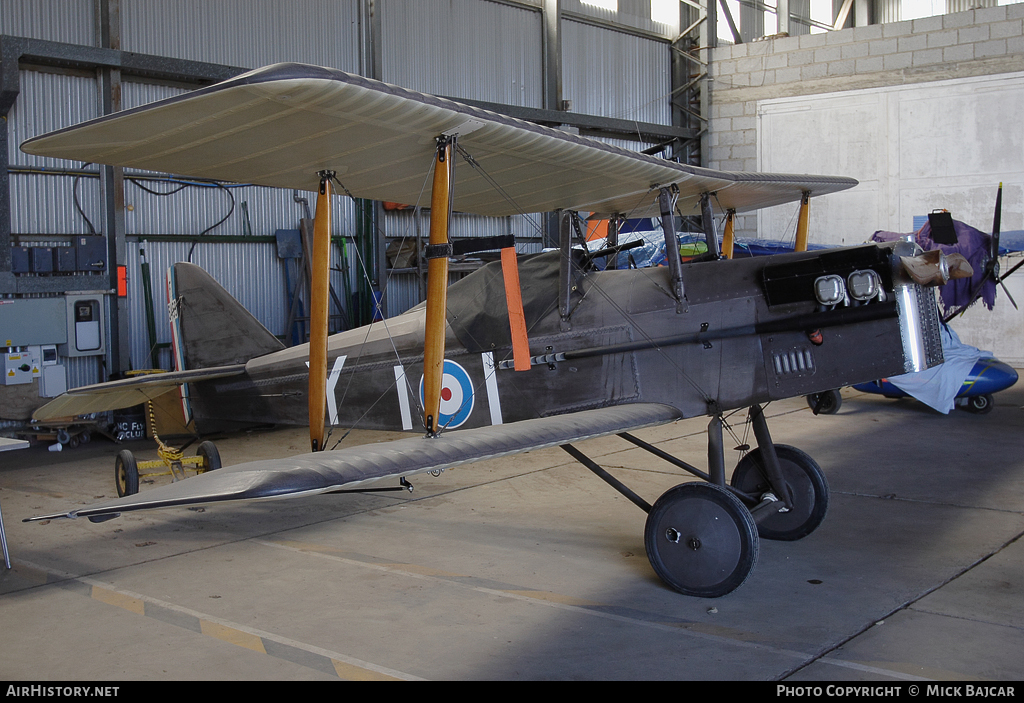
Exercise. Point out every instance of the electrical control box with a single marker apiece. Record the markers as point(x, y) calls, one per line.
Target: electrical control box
point(86, 326)
point(16, 369)
point(19, 259)
point(41, 259)
point(65, 259)
point(53, 381)
point(33, 321)
point(92, 253)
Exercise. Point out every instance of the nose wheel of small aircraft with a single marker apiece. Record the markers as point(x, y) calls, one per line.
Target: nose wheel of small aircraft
point(980, 404)
point(701, 540)
point(805, 484)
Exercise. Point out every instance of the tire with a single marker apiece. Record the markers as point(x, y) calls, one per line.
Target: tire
point(980, 404)
point(826, 403)
point(211, 457)
point(126, 474)
point(805, 482)
point(701, 540)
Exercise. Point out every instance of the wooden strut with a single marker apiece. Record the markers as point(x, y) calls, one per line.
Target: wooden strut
point(437, 285)
point(802, 222)
point(318, 313)
point(729, 237)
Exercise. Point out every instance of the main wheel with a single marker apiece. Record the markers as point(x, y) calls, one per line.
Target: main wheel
point(806, 486)
point(980, 404)
point(211, 457)
point(827, 403)
point(701, 540)
point(126, 474)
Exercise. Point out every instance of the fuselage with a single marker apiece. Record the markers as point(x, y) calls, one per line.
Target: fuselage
point(748, 331)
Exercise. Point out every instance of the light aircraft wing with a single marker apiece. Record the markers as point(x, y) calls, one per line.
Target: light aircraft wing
point(126, 392)
point(320, 472)
point(280, 125)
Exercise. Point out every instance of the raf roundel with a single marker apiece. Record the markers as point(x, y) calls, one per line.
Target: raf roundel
point(456, 396)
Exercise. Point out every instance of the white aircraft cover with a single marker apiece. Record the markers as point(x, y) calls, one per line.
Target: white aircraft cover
point(280, 125)
point(126, 392)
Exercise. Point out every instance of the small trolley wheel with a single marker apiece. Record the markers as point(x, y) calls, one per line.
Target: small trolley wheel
point(701, 540)
point(126, 474)
point(826, 403)
point(980, 404)
point(805, 482)
point(211, 457)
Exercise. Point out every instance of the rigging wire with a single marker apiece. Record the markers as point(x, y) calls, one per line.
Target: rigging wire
point(383, 320)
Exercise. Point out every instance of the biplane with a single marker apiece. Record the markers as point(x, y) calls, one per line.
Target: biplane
point(531, 351)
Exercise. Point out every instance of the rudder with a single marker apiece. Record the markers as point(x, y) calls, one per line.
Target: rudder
point(208, 326)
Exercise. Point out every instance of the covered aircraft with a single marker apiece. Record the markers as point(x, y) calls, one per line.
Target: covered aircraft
point(542, 351)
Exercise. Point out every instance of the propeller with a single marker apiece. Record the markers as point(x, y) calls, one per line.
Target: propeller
point(991, 270)
point(993, 251)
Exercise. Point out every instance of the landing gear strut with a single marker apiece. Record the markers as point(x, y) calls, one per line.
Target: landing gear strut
point(702, 539)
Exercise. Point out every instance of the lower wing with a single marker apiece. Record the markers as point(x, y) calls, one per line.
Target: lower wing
point(321, 472)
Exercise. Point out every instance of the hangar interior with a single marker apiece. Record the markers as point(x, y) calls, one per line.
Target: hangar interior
point(919, 100)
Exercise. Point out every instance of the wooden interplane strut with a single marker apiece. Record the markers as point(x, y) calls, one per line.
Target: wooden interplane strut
point(803, 222)
point(319, 302)
point(437, 284)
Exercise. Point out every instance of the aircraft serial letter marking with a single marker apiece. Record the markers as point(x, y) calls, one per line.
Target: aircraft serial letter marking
point(456, 396)
point(332, 384)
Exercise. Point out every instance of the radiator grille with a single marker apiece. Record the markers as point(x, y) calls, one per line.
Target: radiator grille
point(795, 362)
point(930, 326)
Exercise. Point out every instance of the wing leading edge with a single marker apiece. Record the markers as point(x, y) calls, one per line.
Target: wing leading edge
point(320, 472)
point(280, 125)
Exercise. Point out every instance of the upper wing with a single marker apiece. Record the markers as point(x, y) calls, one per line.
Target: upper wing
point(280, 125)
point(319, 472)
point(126, 392)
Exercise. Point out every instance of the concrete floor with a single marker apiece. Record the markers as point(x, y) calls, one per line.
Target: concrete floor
point(531, 568)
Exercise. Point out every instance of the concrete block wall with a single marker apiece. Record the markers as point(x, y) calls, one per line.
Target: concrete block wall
point(973, 43)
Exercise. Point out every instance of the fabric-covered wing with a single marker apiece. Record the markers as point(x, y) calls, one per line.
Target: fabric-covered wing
point(126, 392)
point(280, 125)
point(319, 472)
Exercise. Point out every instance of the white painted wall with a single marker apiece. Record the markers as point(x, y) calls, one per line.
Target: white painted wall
point(914, 148)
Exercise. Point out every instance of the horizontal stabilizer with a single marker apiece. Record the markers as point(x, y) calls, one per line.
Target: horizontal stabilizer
point(126, 392)
point(280, 125)
point(320, 472)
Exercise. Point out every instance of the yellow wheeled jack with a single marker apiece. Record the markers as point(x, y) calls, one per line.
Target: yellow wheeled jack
point(172, 461)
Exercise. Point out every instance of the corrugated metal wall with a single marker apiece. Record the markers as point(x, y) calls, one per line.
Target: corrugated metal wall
point(464, 49)
point(48, 101)
point(615, 74)
point(245, 33)
point(633, 14)
point(69, 21)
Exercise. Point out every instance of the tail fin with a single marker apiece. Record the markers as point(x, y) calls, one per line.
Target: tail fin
point(208, 326)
